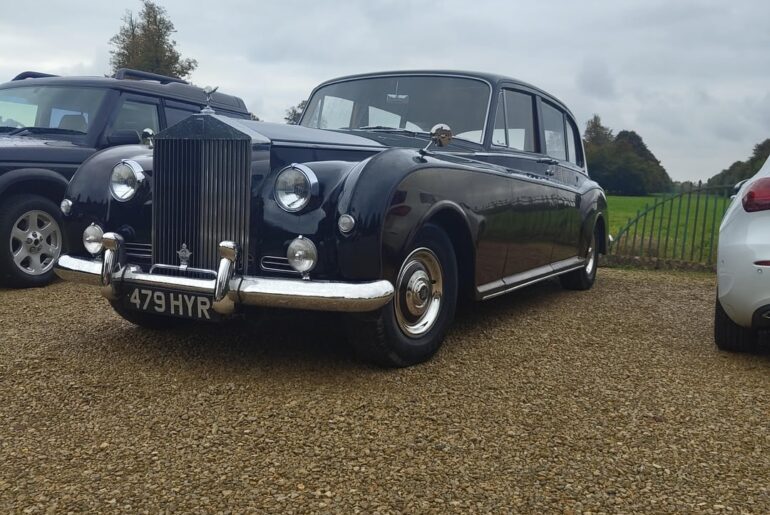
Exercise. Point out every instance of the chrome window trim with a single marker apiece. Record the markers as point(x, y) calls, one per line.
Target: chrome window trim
point(387, 75)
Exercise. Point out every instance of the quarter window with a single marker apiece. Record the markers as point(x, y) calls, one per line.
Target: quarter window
point(136, 116)
point(553, 127)
point(572, 143)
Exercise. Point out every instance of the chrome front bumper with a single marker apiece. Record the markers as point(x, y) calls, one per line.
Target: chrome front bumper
point(228, 289)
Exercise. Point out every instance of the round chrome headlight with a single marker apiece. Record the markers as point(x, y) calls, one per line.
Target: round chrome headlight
point(302, 254)
point(92, 239)
point(126, 178)
point(294, 187)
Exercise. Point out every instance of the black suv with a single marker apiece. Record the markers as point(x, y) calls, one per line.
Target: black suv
point(49, 125)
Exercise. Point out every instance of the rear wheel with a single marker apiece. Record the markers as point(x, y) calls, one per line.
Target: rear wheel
point(145, 320)
point(730, 336)
point(31, 237)
point(411, 328)
point(585, 277)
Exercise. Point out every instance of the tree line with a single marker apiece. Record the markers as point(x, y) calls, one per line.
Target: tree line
point(741, 170)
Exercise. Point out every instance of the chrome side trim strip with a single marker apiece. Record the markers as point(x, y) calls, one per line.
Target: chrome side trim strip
point(530, 282)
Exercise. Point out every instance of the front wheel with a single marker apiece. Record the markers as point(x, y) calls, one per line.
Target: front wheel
point(411, 328)
point(31, 237)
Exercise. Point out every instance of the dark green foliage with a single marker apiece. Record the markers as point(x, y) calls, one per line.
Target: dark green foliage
point(741, 170)
point(144, 43)
point(623, 164)
point(294, 113)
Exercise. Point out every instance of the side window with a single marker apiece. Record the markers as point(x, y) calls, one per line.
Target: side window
point(174, 116)
point(136, 116)
point(572, 143)
point(553, 127)
point(498, 134)
point(520, 120)
point(515, 121)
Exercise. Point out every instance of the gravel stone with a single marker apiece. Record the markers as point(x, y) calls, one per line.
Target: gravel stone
point(608, 401)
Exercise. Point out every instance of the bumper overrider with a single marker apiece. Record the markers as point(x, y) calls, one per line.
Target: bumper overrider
point(112, 273)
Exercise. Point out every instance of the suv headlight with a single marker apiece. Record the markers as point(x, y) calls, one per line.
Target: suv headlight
point(295, 185)
point(125, 180)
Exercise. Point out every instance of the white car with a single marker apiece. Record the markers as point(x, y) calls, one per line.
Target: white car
point(743, 266)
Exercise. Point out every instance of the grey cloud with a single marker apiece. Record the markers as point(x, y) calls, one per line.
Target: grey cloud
point(690, 76)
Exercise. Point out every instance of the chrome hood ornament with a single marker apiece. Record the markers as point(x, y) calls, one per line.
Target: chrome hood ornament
point(184, 256)
point(209, 92)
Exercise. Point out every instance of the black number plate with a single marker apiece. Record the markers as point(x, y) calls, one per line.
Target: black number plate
point(185, 305)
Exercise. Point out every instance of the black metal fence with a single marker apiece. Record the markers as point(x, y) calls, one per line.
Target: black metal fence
point(681, 228)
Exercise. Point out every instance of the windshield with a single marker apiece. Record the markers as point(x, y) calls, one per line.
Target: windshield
point(413, 103)
point(49, 107)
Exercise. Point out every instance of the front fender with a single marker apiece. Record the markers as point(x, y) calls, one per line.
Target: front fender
point(51, 179)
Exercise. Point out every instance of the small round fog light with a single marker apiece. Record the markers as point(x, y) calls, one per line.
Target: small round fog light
point(302, 254)
point(346, 223)
point(66, 206)
point(92, 239)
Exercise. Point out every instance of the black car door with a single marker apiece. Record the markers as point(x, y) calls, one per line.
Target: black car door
point(560, 144)
point(527, 229)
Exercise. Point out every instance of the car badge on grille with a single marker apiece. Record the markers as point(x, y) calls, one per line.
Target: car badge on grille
point(184, 256)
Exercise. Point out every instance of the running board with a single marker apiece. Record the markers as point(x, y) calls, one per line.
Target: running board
point(524, 279)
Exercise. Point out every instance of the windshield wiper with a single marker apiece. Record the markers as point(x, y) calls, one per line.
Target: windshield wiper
point(383, 128)
point(7, 128)
point(39, 130)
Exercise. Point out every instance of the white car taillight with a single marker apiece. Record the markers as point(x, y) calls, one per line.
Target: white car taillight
point(757, 198)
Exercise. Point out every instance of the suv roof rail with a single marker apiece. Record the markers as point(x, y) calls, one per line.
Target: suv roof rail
point(32, 75)
point(128, 73)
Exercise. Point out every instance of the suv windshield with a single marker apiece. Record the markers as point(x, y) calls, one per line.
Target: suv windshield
point(411, 103)
point(49, 107)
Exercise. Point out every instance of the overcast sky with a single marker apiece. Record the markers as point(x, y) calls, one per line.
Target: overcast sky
point(692, 77)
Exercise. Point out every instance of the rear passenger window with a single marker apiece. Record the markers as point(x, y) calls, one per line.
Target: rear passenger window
point(515, 122)
point(553, 127)
point(136, 116)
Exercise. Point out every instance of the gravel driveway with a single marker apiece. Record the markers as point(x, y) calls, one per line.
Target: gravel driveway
point(544, 400)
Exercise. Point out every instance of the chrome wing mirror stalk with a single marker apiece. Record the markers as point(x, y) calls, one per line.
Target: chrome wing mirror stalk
point(440, 135)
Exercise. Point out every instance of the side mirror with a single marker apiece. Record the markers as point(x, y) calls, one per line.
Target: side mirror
point(738, 186)
point(124, 138)
point(147, 136)
point(441, 134)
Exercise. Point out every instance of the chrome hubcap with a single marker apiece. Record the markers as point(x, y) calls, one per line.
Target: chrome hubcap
point(35, 242)
point(591, 256)
point(418, 293)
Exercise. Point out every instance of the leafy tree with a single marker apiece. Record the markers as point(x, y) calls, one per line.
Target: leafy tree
point(741, 170)
point(144, 43)
point(596, 133)
point(294, 113)
point(623, 164)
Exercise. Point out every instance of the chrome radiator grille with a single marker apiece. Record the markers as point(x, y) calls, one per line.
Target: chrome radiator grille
point(201, 196)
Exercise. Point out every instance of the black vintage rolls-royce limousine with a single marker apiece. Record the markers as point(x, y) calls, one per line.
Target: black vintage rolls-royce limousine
point(396, 195)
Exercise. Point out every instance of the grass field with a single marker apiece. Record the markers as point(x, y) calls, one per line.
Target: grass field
point(685, 228)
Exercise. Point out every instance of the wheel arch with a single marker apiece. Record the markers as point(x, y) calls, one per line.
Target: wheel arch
point(451, 219)
point(34, 181)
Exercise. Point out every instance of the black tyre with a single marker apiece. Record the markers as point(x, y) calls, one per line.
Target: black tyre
point(585, 277)
point(146, 320)
point(32, 240)
point(411, 328)
point(731, 337)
